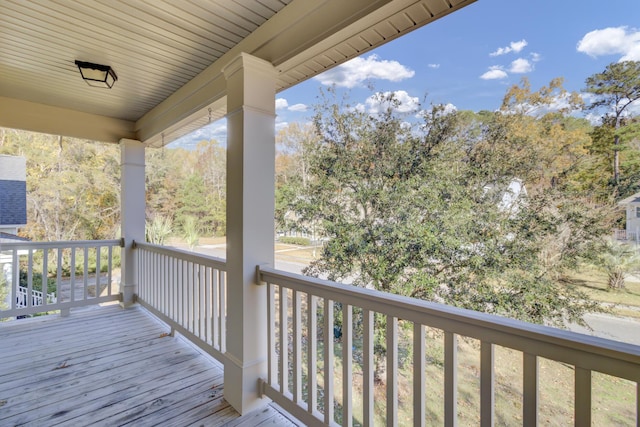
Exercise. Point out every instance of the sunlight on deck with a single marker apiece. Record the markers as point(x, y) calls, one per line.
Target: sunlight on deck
point(108, 366)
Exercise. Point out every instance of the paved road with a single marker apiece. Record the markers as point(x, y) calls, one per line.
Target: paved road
point(611, 327)
point(220, 252)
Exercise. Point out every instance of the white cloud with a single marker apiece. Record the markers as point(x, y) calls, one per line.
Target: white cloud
point(378, 102)
point(446, 109)
point(557, 102)
point(355, 72)
point(281, 125)
point(535, 57)
point(433, 65)
point(281, 103)
point(560, 102)
point(521, 65)
point(631, 110)
point(633, 54)
point(634, 109)
point(612, 41)
point(449, 108)
point(298, 107)
point(513, 47)
point(494, 73)
point(594, 119)
point(588, 98)
point(216, 130)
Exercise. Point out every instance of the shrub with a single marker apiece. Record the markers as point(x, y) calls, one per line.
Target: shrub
point(36, 281)
point(302, 241)
point(158, 230)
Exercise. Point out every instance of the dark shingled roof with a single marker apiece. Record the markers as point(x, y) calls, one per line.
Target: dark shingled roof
point(13, 202)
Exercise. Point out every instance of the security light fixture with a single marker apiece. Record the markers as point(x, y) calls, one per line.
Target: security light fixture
point(97, 75)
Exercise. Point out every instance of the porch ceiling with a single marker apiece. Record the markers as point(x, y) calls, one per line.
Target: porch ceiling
point(169, 55)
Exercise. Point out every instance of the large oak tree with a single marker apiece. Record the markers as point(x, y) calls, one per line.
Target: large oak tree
point(435, 208)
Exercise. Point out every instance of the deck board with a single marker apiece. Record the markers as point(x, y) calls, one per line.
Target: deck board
point(108, 366)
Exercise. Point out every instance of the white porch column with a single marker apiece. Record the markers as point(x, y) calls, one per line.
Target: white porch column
point(132, 212)
point(250, 224)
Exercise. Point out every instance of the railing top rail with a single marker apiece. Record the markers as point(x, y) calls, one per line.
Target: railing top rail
point(58, 244)
point(545, 341)
point(211, 261)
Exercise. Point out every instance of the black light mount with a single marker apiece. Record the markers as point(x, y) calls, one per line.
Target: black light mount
point(97, 75)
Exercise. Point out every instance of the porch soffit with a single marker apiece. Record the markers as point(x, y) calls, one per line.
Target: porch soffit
point(169, 55)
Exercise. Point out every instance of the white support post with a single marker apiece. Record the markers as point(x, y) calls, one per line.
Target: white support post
point(250, 225)
point(132, 213)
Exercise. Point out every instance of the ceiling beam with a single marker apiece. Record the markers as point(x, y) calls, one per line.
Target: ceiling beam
point(31, 116)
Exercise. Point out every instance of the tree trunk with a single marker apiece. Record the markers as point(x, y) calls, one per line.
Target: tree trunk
point(616, 160)
point(380, 369)
point(616, 280)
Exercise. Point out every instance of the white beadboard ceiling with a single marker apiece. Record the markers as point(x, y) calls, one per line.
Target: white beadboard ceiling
point(168, 56)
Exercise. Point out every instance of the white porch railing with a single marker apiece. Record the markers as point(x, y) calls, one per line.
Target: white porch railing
point(72, 273)
point(37, 297)
point(187, 291)
point(309, 320)
point(303, 314)
point(625, 235)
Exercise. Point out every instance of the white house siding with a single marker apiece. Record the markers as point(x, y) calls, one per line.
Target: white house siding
point(13, 168)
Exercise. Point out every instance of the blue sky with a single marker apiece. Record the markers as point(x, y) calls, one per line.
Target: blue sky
point(471, 57)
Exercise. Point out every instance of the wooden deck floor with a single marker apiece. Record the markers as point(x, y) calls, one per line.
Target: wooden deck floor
point(105, 366)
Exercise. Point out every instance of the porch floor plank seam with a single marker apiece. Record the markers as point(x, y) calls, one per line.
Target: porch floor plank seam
point(115, 367)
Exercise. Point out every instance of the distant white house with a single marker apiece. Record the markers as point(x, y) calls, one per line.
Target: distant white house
point(512, 197)
point(632, 207)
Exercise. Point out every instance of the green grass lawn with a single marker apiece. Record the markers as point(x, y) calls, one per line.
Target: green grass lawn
point(613, 398)
point(594, 283)
point(296, 253)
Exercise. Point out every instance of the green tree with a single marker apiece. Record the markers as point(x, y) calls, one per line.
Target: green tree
point(437, 210)
point(598, 171)
point(211, 164)
point(294, 144)
point(190, 231)
point(192, 198)
point(184, 183)
point(615, 89)
point(164, 173)
point(617, 261)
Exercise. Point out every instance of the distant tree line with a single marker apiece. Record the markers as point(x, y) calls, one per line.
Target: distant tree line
point(187, 190)
point(73, 187)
